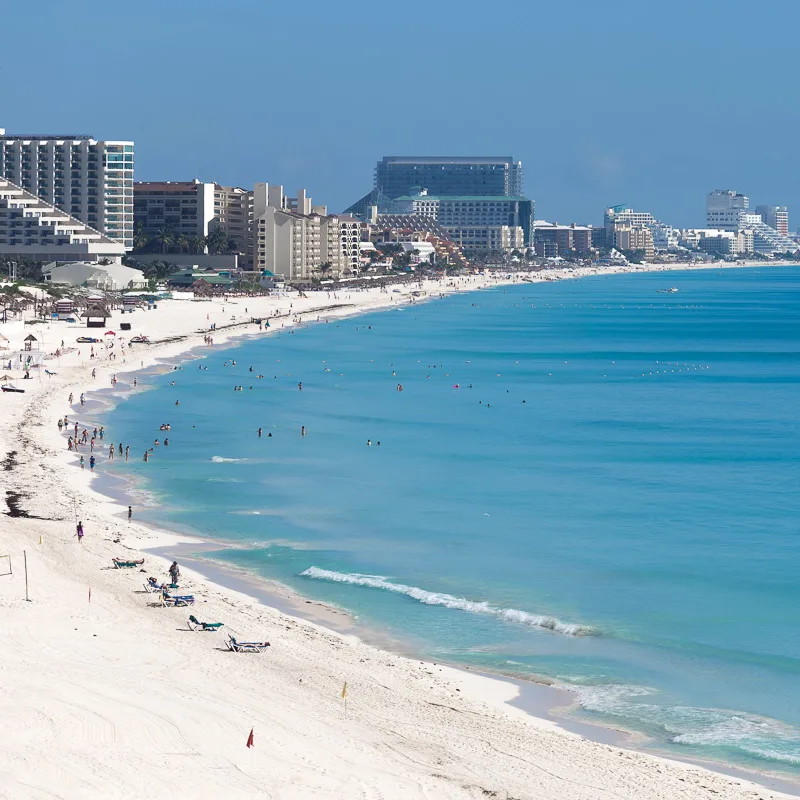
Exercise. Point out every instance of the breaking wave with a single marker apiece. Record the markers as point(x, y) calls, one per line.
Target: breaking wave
point(693, 726)
point(449, 601)
point(221, 460)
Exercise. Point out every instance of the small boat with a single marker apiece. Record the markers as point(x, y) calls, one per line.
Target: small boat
point(671, 290)
point(140, 340)
point(7, 387)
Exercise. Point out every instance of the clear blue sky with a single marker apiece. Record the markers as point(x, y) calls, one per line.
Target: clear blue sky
point(647, 102)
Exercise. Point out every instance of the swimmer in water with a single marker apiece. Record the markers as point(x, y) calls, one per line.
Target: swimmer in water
point(369, 442)
point(259, 433)
point(302, 430)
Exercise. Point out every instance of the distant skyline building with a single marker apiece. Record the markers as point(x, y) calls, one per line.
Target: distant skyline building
point(627, 229)
point(724, 208)
point(396, 176)
point(776, 217)
point(88, 179)
point(475, 222)
point(727, 210)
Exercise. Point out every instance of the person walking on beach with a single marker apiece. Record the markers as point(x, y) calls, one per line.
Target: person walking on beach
point(91, 463)
point(127, 451)
point(60, 425)
point(111, 453)
point(82, 464)
point(83, 399)
point(70, 398)
point(79, 532)
point(174, 572)
point(130, 513)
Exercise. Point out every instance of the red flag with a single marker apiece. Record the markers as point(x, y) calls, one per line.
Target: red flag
point(250, 742)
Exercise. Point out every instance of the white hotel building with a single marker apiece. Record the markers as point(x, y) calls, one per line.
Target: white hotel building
point(90, 180)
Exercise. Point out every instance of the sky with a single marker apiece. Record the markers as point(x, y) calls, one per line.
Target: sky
point(652, 103)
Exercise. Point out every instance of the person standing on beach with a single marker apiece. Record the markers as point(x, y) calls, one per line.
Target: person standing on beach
point(79, 532)
point(174, 572)
point(70, 398)
point(91, 463)
point(82, 464)
point(111, 453)
point(130, 513)
point(60, 424)
point(127, 451)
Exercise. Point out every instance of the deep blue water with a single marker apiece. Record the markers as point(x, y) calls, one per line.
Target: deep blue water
point(609, 499)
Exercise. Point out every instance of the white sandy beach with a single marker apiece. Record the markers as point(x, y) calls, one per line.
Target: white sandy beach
point(105, 695)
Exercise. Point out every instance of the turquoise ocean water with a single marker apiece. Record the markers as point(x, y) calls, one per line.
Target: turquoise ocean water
point(609, 498)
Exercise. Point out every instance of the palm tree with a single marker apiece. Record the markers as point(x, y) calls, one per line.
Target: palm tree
point(165, 238)
point(140, 238)
point(217, 241)
point(232, 245)
point(325, 268)
point(182, 243)
point(197, 244)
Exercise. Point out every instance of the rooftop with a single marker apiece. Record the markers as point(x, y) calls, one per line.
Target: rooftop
point(60, 136)
point(448, 160)
point(466, 198)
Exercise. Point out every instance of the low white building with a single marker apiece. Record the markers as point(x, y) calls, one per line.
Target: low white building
point(108, 277)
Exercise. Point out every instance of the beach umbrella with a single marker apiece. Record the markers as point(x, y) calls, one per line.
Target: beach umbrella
point(110, 333)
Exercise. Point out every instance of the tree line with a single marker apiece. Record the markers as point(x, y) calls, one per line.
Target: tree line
point(165, 240)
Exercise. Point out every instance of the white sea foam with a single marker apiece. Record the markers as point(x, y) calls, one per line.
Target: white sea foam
point(449, 601)
point(695, 726)
point(222, 460)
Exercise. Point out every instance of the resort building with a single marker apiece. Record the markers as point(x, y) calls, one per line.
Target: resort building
point(633, 238)
point(190, 210)
point(726, 210)
point(34, 229)
point(184, 208)
point(233, 214)
point(776, 217)
point(475, 222)
point(90, 180)
point(723, 209)
point(299, 241)
point(552, 239)
point(449, 175)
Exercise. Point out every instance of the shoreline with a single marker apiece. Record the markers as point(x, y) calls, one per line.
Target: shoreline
point(505, 698)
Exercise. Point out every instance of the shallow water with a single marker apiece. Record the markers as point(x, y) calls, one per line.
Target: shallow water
point(608, 498)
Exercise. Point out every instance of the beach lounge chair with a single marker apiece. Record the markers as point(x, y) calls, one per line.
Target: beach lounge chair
point(153, 587)
point(120, 563)
point(196, 625)
point(175, 600)
point(246, 647)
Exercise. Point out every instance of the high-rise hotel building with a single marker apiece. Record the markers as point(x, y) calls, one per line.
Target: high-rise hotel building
point(88, 179)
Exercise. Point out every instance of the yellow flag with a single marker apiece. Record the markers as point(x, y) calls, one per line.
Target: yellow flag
point(344, 690)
